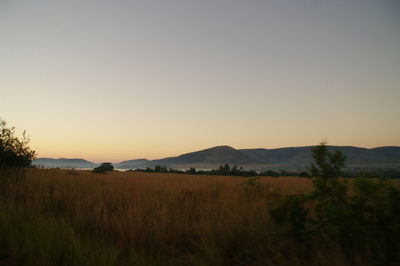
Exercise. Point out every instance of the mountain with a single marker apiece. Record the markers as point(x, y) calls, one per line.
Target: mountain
point(290, 158)
point(207, 158)
point(301, 157)
point(281, 158)
point(63, 163)
point(132, 164)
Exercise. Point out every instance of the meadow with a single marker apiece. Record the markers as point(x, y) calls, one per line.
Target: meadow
point(71, 217)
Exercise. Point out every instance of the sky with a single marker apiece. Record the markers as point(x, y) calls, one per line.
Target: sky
point(119, 80)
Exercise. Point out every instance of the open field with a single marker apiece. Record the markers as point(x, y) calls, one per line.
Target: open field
point(61, 217)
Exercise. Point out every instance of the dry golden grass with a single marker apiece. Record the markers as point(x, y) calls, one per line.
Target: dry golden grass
point(157, 218)
point(154, 214)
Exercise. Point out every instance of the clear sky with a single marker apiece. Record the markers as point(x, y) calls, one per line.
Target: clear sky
point(117, 80)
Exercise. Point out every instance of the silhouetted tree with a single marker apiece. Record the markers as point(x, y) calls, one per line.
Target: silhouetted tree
point(104, 167)
point(326, 165)
point(14, 151)
point(191, 171)
point(160, 169)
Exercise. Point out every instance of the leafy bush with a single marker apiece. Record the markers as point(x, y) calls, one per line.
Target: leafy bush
point(191, 171)
point(103, 168)
point(14, 151)
point(160, 169)
point(363, 223)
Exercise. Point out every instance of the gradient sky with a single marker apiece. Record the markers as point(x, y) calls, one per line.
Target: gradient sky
point(117, 80)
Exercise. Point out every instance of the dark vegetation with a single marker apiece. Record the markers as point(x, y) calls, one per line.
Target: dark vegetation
point(51, 219)
point(373, 173)
point(228, 170)
point(225, 169)
point(103, 168)
point(14, 151)
point(364, 223)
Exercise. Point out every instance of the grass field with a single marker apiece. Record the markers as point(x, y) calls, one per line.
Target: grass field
point(62, 217)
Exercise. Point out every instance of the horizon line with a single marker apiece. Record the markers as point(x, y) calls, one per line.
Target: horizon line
point(142, 158)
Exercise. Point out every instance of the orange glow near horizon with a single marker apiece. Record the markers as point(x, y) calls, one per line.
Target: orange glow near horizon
point(97, 150)
point(143, 80)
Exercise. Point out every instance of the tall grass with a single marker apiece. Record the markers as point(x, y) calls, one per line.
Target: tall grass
point(60, 217)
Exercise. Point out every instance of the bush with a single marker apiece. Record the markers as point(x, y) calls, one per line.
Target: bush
point(191, 171)
point(103, 168)
point(362, 224)
point(14, 151)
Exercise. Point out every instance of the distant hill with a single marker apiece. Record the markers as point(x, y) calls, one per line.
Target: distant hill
point(291, 158)
point(301, 157)
point(281, 158)
point(132, 164)
point(63, 163)
point(209, 157)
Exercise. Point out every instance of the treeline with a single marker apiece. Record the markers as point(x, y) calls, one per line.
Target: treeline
point(225, 169)
point(373, 173)
point(228, 170)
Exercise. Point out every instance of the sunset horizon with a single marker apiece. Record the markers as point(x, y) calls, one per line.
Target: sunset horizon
point(199, 132)
point(166, 155)
point(110, 81)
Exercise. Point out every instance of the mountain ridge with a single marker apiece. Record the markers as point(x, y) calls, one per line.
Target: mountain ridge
point(64, 163)
point(256, 159)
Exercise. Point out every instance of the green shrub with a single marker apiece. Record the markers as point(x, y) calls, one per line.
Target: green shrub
point(14, 151)
point(103, 168)
point(363, 223)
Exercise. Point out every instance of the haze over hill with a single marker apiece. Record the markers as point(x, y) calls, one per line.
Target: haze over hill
point(257, 159)
point(63, 163)
point(136, 163)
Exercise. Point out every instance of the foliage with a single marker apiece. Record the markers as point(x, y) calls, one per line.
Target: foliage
point(103, 168)
point(224, 169)
point(160, 169)
point(372, 173)
point(191, 171)
point(14, 151)
point(365, 221)
point(239, 171)
point(326, 165)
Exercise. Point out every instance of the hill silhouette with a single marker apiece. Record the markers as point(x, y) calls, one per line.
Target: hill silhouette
point(256, 159)
point(211, 156)
point(63, 163)
point(301, 156)
point(136, 163)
